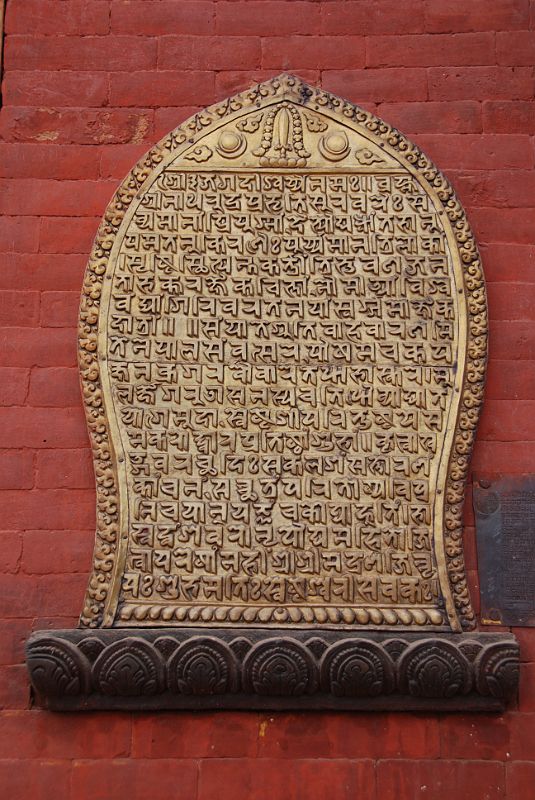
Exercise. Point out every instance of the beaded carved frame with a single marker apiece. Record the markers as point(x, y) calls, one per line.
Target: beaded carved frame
point(100, 606)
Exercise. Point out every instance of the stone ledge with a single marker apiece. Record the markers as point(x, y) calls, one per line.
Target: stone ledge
point(132, 669)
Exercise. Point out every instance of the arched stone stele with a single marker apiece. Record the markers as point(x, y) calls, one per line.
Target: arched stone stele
point(282, 351)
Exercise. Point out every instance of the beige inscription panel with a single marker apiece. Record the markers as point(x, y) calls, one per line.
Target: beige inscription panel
point(283, 344)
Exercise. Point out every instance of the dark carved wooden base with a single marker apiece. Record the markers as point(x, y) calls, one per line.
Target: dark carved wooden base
point(271, 669)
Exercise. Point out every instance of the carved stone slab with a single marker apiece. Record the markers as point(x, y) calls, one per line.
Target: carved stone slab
point(282, 350)
point(505, 529)
point(214, 668)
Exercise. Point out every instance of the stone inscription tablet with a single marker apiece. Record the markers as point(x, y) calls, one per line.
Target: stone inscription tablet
point(505, 527)
point(282, 350)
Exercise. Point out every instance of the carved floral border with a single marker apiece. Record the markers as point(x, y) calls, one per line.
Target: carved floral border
point(107, 526)
point(212, 668)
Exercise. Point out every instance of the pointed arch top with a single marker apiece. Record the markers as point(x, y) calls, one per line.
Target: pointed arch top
point(301, 137)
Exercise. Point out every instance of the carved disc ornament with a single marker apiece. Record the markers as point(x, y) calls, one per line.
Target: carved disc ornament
point(282, 350)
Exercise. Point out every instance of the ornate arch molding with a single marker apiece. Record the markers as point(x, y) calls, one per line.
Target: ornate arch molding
point(281, 118)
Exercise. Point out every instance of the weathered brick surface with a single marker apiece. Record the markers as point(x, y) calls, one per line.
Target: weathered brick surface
point(87, 88)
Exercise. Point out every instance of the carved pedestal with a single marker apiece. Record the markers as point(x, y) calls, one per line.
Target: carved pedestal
point(282, 349)
point(255, 669)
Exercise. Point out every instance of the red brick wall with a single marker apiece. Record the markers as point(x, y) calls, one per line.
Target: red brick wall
point(89, 85)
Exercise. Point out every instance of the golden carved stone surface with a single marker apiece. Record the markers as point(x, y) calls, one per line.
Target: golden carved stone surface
point(282, 350)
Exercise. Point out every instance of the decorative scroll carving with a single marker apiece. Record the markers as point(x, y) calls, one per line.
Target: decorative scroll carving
point(259, 670)
point(203, 668)
point(279, 667)
point(436, 670)
point(129, 666)
point(357, 669)
point(58, 667)
point(498, 670)
point(282, 351)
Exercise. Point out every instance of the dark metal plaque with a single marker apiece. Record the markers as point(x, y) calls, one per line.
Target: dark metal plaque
point(505, 529)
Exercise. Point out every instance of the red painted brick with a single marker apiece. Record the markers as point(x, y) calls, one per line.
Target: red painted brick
point(60, 593)
point(44, 271)
point(54, 386)
point(18, 598)
point(266, 779)
point(497, 188)
point(294, 735)
point(57, 89)
point(526, 641)
point(520, 780)
point(163, 17)
point(27, 347)
point(10, 550)
point(19, 160)
point(430, 50)
point(313, 52)
point(506, 116)
point(13, 636)
point(41, 735)
point(80, 53)
point(504, 421)
point(69, 469)
point(42, 427)
point(509, 262)
point(72, 235)
point(510, 380)
point(118, 159)
point(236, 735)
point(167, 119)
point(463, 116)
point(230, 82)
point(59, 309)
point(503, 225)
point(513, 337)
point(18, 308)
point(377, 17)
point(162, 88)
point(77, 18)
point(407, 780)
point(527, 687)
point(480, 83)
point(511, 301)
point(469, 538)
point(80, 126)
point(14, 692)
point(522, 736)
point(61, 620)
point(472, 580)
point(49, 509)
point(377, 85)
point(52, 552)
point(479, 152)
point(451, 16)
point(344, 736)
point(40, 780)
point(16, 469)
point(515, 48)
point(463, 737)
point(13, 386)
point(267, 18)
point(207, 52)
point(512, 458)
point(113, 780)
point(19, 234)
point(55, 198)
point(468, 511)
